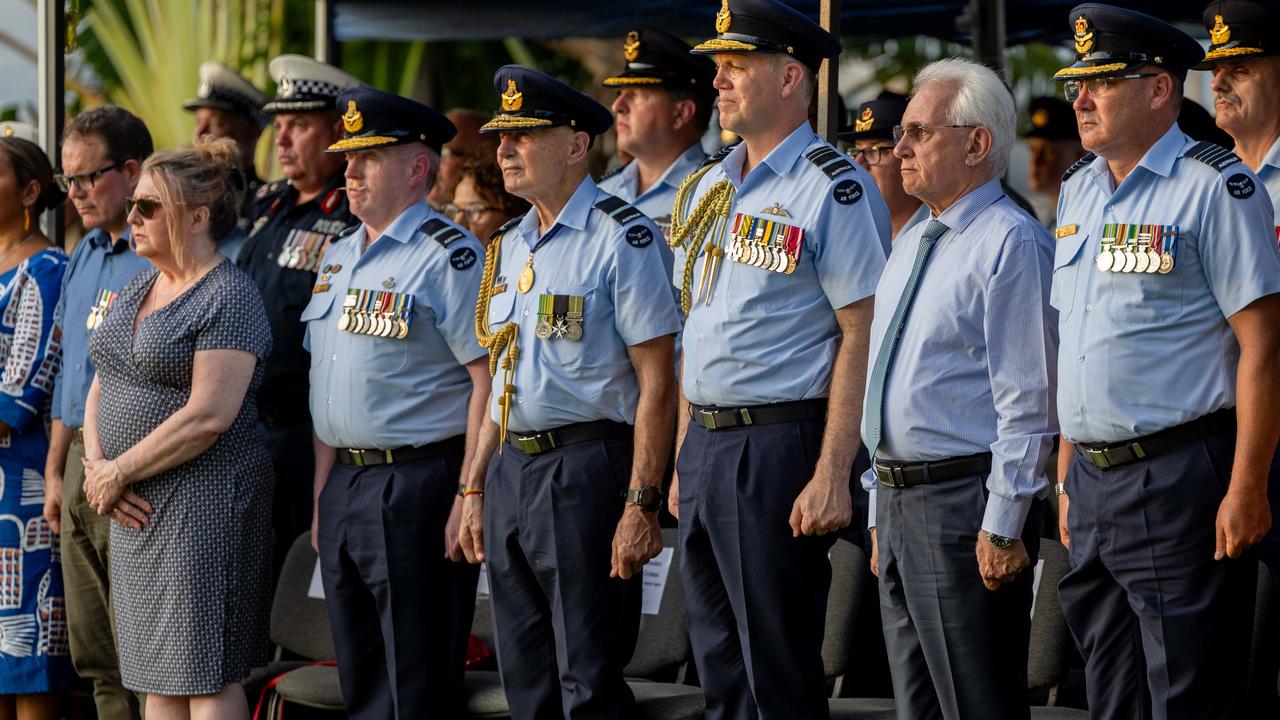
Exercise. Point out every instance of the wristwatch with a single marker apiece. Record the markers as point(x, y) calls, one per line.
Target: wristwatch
point(1060, 489)
point(999, 541)
point(647, 498)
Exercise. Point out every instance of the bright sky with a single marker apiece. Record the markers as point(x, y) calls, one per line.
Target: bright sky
point(17, 73)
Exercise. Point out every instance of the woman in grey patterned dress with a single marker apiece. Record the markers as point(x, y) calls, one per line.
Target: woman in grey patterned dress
point(172, 450)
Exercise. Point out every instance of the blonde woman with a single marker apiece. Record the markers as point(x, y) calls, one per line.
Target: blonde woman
point(172, 450)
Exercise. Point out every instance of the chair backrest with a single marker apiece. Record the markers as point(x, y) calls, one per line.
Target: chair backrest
point(299, 623)
point(1050, 648)
point(850, 574)
point(664, 638)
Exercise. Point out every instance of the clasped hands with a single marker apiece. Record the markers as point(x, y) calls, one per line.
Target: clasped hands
point(107, 490)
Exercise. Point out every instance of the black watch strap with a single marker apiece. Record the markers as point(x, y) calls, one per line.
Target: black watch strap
point(647, 498)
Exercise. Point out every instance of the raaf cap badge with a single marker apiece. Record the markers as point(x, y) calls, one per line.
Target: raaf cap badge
point(353, 121)
point(631, 48)
point(723, 17)
point(1220, 32)
point(864, 123)
point(512, 99)
point(1084, 36)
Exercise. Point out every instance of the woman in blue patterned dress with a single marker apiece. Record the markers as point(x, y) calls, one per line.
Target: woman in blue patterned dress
point(35, 661)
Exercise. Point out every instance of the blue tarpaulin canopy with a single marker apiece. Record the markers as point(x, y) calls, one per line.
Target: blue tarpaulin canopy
point(487, 19)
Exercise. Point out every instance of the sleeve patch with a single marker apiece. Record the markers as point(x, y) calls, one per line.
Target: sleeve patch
point(639, 236)
point(829, 161)
point(847, 192)
point(1240, 186)
point(462, 258)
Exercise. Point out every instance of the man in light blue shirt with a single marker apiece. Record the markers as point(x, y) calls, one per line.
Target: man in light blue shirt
point(102, 154)
point(578, 318)
point(778, 245)
point(959, 408)
point(1245, 62)
point(1166, 276)
point(661, 112)
point(398, 390)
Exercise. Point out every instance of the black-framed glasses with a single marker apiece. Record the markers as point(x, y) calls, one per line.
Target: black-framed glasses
point(146, 207)
point(873, 155)
point(84, 181)
point(919, 133)
point(472, 211)
point(1097, 86)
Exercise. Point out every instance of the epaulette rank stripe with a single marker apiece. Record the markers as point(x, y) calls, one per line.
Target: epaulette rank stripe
point(441, 231)
point(829, 161)
point(1213, 155)
point(620, 210)
point(719, 155)
point(502, 229)
point(1088, 158)
point(350, 229)
point(612, 172)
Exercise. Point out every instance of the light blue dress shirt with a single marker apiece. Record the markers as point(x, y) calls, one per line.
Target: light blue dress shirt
point(96, 264)
point(974, 370)
point(656, 202)
point(1269, 174)
point(1144, 352)
point(768, 337)
point(920, 215)
point(617, 269)
point(384, 393)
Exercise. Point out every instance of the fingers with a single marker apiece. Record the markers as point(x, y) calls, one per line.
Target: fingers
point(875, 554)
point(1064, 528)
point(122, 518)
point(133, 515)
point(53, 514)
point(673, 505)
point(797, 518)
point(136, 500)
point(1220, 548)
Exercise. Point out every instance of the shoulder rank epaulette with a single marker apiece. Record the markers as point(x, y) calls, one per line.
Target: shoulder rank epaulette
point(829, 161)
point(612, 172)
point(504, 227)
point(268, 187)
point(345, 233)
point(620, 210)
point(1088, 158)
point(1213, 155)
point(441, 231)
point(719, 155)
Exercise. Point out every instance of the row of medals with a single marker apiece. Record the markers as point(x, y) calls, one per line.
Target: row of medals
point(99, 310)
point(306, 254)
point(567, 326)
point(377, 324)
point(1127, 260)
point(768, 257)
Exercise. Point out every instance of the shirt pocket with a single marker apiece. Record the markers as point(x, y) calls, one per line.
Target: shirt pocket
point(558, 349)
point(500, 307)
point(1068, 261)
point(1144, 298)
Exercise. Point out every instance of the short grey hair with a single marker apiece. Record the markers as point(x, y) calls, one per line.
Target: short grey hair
point(433, 172)
point(978, 97)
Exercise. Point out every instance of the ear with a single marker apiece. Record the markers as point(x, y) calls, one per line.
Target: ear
point(978, 147)
point(792, 78)
point(132, 170)
point(682, 113)
point(199, 221)
point(1161, 91)
point(30, 194)
point(579, 143)
point(420, 170)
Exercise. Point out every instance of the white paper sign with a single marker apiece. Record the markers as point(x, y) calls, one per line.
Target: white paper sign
point(482, 587)
point(317, 588)
point(655, 581)
point(1035, 586)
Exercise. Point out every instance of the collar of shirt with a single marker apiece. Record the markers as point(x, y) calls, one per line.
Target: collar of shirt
point(1272, 158)
point(99, 238)
point(781, 160)
point(1158, 159)
point(574, 214)
point(964, 211)
point(676, 172)
point(403, 227)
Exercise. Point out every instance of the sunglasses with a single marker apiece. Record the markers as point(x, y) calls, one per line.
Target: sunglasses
point(146, 207)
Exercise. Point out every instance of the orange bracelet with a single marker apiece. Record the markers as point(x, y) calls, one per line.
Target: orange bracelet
point(472, 491)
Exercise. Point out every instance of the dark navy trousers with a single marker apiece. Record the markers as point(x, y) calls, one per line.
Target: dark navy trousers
point(564, 629)
point(756, 596)
point(956, 650)
point(1163, 627)
point(401, 613)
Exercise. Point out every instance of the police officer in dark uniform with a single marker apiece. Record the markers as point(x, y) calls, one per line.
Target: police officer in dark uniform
point(228, 105)
point(398, 392)
point(294, 220)
point(1167, 284)
point(576, 311)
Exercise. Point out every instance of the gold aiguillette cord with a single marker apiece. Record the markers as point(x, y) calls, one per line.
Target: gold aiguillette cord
point(506, 338)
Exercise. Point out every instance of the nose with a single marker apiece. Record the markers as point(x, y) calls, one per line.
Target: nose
point(506, 147)
point(282, 139)
point(720, 82)
point(1083, 101)
point(619, 105)
point(1219, 82)
point(902, 148)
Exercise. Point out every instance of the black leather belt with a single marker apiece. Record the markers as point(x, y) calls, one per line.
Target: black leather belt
point(717, 418)
point(1109, 455)
point(901, 475)
point(367, 458)
point(536, 443)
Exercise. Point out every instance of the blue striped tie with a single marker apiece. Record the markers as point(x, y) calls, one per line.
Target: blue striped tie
point(893, 333)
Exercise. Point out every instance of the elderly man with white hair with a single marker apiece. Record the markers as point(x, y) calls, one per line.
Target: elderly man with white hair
point(959, 408)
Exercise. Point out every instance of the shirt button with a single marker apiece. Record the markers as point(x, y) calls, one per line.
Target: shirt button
point(699, 381)
point(75, 404)
point(1088, 308)
point(333, 358)
point(79, 366)
point(526, 313)
point(1081, 358)
point(701, 336)
point(329, 400)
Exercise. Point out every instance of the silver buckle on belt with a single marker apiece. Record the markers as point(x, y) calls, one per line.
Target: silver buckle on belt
point(357, 457)
point(1098, 457)
point(708, 419)
point(892, 476)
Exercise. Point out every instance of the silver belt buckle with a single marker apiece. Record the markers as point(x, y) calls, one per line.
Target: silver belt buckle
point(1098, 457)
point(528, 445)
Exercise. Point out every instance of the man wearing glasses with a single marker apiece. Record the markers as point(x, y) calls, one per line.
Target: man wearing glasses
point(102, 154)
point(872, 138)
point(958, 408)
point(1165, 279)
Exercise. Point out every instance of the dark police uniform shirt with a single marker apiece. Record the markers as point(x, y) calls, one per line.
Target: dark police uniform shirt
point(282, 254)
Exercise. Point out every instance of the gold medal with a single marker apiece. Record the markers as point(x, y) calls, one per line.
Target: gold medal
point(402, 329)
point(524, 283)
point(1166, 263)
point(543, 329)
